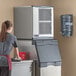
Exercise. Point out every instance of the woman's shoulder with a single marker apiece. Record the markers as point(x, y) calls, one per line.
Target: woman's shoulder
point(11, 36)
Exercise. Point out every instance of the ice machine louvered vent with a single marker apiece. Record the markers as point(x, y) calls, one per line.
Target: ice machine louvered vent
point(45, 14)
point(44, 28)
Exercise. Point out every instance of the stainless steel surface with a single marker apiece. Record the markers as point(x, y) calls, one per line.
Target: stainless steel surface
point(22, 68)
point(23, 22)
point(26, 45)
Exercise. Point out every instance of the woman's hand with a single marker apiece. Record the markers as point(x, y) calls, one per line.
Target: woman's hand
point(19, 58)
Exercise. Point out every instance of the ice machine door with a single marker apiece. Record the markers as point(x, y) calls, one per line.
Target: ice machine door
point(48, 50)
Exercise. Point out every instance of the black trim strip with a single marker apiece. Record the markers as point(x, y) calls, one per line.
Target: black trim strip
point(23, 39)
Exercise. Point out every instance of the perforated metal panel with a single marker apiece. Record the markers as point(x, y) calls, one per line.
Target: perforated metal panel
point(45, 14)
point(44, 28)
point(43, 22)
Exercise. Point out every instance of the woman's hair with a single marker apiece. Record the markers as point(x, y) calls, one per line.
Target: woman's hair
point(5, 26)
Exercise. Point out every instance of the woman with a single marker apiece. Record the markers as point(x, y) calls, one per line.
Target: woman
point(7, 41)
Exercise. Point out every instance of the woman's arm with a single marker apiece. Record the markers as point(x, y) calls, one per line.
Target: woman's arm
point(16, 50)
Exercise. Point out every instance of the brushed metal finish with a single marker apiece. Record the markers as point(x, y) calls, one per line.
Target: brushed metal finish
point(23, 22)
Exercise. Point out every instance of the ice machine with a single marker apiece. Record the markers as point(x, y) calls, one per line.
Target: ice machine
point(36, 23)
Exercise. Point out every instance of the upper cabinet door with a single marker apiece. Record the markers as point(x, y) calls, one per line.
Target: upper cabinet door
point(43, 22)
point(23, 22)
